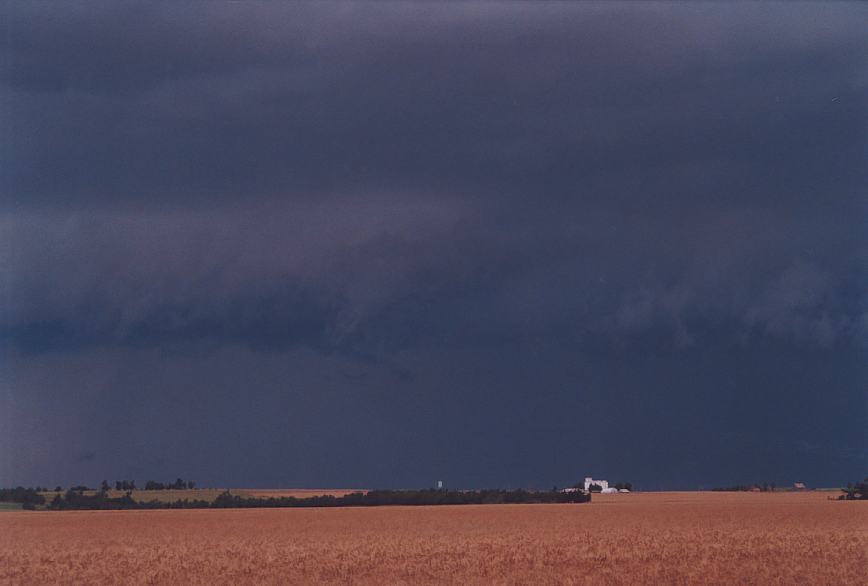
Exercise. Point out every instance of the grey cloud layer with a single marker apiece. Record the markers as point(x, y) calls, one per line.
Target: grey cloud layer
point(397, 270)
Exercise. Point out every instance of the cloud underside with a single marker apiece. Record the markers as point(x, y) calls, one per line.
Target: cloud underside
point(386, 271)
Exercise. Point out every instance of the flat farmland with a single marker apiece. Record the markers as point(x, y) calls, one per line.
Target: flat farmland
point(653, 538)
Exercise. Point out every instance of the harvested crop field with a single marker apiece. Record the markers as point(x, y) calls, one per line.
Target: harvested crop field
point(654, 538)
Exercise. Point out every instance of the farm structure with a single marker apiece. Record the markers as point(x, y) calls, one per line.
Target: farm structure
point(603, 484)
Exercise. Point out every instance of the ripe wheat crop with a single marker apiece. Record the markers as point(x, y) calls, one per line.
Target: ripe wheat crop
point(664, 538)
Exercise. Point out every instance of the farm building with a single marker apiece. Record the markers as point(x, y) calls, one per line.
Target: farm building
point(604, 484)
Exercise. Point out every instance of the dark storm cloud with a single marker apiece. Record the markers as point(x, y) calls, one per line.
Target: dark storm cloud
point(476, 99)
point(562, 210)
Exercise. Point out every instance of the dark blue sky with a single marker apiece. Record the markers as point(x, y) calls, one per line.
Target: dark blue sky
point(379, 245)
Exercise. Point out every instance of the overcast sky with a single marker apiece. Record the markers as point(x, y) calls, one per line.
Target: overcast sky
point(378, 245)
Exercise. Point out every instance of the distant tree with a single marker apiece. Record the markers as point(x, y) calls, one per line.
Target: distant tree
point(58, 488)
point(19, 494)
point(178, 484)
point(104, 486)
point(595, 488)
point(856, 492)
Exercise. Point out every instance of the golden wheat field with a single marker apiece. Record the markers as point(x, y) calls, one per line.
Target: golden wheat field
point(654, 538)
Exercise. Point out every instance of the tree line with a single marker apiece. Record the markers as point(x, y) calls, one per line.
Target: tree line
point(855, 492)
point(377, 498)
point(74, 500)
point(126, 485)
point(179, 484)
point(28, 497)
point(765, 487)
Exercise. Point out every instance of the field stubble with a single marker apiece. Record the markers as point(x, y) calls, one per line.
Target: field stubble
point(654, 538)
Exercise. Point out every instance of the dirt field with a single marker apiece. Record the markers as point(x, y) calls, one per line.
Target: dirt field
point(663, 538)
